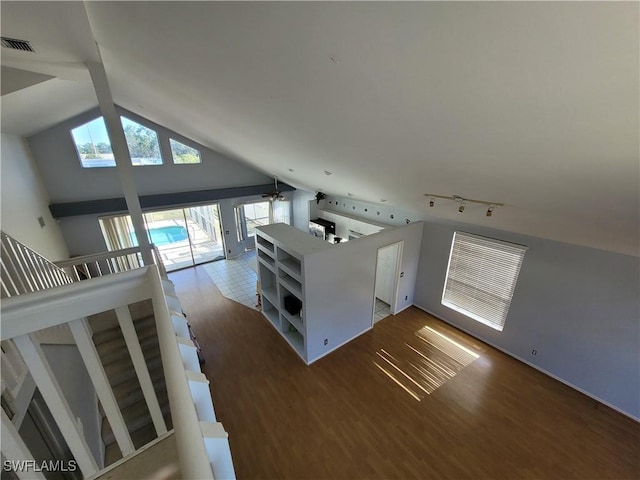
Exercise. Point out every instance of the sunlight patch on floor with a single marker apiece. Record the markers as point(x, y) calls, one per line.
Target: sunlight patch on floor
point(425, 366)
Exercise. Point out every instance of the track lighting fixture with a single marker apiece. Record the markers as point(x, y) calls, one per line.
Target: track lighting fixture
point(464, 202)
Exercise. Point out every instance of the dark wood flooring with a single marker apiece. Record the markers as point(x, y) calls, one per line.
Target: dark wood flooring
point(413, 398)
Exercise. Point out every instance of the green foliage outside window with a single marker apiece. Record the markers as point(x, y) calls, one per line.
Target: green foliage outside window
point(183, 154)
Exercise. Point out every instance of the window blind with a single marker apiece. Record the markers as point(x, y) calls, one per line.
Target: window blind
point(481, 277)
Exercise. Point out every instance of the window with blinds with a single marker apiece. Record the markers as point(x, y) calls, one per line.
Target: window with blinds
point(481, 277)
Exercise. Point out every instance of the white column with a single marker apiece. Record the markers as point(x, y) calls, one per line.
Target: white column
point(121, 154)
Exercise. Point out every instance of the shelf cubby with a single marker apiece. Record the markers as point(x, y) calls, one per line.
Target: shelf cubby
point(266, 244)
point(262, 255)
point(295, 320)
point(271, 312)
point(291, 264)
point(293, 337)
point(268, 282)
point(291, 283)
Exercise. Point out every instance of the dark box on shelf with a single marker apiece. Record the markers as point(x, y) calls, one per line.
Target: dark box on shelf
point(292, 305)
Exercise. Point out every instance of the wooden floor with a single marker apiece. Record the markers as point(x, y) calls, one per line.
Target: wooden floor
point(397, 402)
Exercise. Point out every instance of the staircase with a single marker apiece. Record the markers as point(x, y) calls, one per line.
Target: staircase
point(112, 349)
point(124, 318)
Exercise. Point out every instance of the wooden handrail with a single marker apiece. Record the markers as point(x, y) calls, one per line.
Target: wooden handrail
point(94, 257)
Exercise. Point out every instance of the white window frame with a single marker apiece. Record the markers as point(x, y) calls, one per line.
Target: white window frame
point(123, 120)
point(108, 162)
point(173, 157)
point(481, 277)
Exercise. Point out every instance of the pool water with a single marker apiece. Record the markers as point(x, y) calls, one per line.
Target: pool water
point(166, 235)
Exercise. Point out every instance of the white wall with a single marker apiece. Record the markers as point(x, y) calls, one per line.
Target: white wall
point(66, 181)
point(74, 381)
point(24, 199)
point(300, 205)
point(345, 274)
point(578, 307)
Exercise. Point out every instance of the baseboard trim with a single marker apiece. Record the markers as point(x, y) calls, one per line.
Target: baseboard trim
point(526, 362)
point(340, 345)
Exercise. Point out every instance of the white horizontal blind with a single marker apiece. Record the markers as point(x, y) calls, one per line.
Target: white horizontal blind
point(481, 277)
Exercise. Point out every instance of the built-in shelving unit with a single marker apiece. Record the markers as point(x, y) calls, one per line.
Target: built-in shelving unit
point(281, 251)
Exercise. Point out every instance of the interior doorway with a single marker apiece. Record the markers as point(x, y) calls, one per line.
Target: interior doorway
point(387, 274)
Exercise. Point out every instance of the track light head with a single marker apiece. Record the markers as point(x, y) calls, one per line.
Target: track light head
point(462, 202)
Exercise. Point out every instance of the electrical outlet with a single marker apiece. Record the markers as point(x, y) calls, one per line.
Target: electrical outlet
point(534, 352)
point(326, 341)
point(406, 297)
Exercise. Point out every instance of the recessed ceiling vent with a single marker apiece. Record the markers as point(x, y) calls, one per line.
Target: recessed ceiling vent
point(16, 44)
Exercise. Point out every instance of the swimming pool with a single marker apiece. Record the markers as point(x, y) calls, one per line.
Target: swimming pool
point(166, 235)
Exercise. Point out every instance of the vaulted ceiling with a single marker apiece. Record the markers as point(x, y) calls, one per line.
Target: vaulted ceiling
point(534, 105)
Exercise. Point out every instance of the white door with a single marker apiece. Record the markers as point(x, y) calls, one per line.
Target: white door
point(387, 274)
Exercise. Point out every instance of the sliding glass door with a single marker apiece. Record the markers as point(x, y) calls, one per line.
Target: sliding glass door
point(184, 236)
point(205, 233)
point(256, 214)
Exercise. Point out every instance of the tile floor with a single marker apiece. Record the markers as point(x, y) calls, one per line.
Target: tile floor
point(383, 310)
point(236, 278)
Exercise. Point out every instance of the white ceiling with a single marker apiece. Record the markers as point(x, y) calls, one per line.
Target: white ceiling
point(534, 105)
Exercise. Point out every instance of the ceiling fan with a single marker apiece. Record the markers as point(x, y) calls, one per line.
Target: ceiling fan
point(276, 194)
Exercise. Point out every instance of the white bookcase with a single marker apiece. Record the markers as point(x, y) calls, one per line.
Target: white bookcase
point(281, 251)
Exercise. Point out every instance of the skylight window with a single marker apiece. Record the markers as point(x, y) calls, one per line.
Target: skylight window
point(183, 154)
point(143, 144)
point(93, 145)
point(481, 278)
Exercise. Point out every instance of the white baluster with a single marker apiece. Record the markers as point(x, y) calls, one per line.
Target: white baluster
point(216, 442)
point(82, 335)
point(201, 395)
point(140, 366)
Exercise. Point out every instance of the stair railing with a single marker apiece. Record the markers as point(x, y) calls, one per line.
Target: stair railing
point(105, 263)
point(39, 295)
point(24, 271)
point(202, 443)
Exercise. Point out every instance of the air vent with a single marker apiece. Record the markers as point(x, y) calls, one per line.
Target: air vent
point(17, 44)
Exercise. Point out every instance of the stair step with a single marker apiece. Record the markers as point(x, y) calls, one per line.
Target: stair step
point(122, 370)
point(133, 395)
point(106, 320)
point(140, 438)
point(113, 331)
point(117, 348)
point(135, 416)
point(128, 392)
